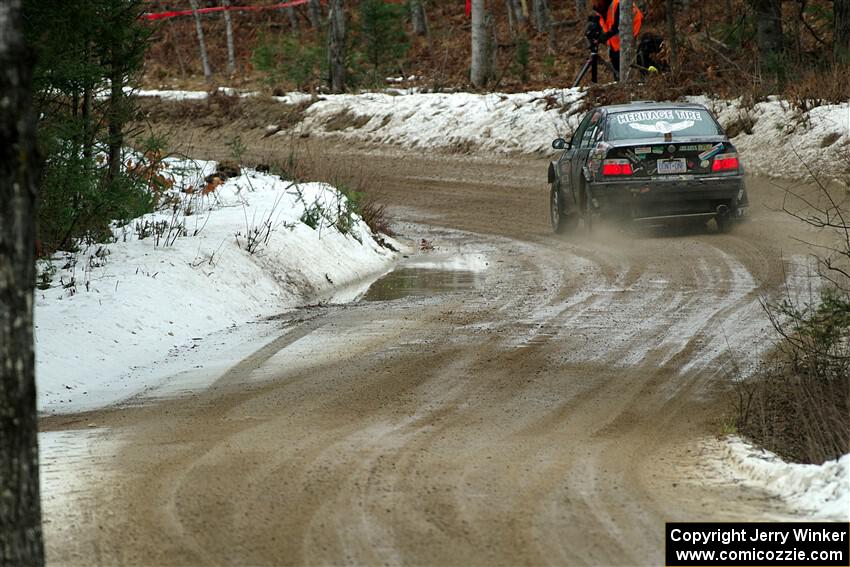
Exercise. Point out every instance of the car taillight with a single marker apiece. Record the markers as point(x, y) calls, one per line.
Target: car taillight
point(725, 162)
point(616, 167)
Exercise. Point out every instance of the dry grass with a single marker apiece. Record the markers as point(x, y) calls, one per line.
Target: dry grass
point(303, 163)
point(803, 417)
point(818, 87)
point(219, 109)
point(800, 407)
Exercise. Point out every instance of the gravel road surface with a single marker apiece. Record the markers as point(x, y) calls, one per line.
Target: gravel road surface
point(509, 398)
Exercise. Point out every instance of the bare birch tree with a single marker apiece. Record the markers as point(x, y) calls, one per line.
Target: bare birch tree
point(478, 69)
point(540, 9)
point(202, 44)
point(524, 7)
point(543, 21)
point(516, 8)
point(20, 507)
point(509, 10)
point(228, 32)
point(627, 39)
point(336, 46)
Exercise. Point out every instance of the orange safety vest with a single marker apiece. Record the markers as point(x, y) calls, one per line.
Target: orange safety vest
point(608, 23)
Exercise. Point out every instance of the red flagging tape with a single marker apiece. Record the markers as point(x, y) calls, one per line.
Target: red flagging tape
point(175, 13)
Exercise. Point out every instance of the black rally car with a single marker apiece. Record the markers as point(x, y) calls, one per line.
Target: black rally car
point(647, 162)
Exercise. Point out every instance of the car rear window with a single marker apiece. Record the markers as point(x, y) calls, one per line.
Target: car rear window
point(651, 123)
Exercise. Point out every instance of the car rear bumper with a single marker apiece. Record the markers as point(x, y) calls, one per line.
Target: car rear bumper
point(680, 197)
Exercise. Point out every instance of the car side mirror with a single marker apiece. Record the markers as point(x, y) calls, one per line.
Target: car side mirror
point(560, 144)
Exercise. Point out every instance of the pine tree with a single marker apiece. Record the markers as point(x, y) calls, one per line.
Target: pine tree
point(93, 46)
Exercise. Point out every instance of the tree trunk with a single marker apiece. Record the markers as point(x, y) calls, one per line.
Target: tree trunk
point(314, 9)
point(627, 40)
point(205, 61)
point(769, 32)
point(228, 31)
point(478, 68)
point(672, 36)
point(20, 504)
point(418, 17)
point(524, 7)
point(841, 30)
point(796, 31)
point(521, 17)
point(336, 46)
point(492, 44)
point(509, 9)
point(293, 19)
point(541, 15)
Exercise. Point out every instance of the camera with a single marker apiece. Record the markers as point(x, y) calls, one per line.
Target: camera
point(593, 30)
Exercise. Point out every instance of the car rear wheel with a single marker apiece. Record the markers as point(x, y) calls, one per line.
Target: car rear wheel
point(562, 222)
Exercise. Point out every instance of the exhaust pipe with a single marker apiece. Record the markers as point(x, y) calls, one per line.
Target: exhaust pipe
point(722, 210)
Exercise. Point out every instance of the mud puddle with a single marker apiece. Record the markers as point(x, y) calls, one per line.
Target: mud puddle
point(419, 282)
point(423, 277)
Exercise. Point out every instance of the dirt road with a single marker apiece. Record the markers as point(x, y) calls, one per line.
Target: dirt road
point(522, 399)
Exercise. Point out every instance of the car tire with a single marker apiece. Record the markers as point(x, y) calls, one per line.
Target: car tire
point(561, 222)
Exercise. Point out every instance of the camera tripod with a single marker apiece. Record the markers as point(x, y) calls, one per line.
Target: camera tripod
point(593, 33)
point(592, 64)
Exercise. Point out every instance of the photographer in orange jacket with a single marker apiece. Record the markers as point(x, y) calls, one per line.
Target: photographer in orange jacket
point(609, 19)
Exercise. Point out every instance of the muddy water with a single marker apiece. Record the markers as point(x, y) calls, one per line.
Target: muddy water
point(419, 282)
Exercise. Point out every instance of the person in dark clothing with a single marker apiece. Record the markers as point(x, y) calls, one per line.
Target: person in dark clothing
point(609, 19)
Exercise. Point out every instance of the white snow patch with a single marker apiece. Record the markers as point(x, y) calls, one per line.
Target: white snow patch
point(171, 95)
point(503, 123)
point(134, 301)
point(814, 491)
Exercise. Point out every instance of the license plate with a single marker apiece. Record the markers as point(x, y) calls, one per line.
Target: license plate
point(667, 166)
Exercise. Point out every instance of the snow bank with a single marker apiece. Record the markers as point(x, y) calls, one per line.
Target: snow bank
point(112, 308)
point(528, 122)
point(783, 138)
point(496, 122)
point(816, 491)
